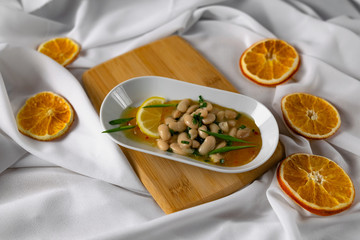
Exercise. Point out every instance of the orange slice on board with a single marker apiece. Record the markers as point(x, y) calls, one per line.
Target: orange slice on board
point(269, 62)
point(310, 116)
point(316, 183)
point(62, 50)
point(148, 119)
point(45, 116)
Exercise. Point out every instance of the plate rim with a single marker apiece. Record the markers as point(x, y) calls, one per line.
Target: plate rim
point(179, 158)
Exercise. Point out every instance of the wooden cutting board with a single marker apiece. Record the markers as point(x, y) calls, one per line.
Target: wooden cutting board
point(173, 185)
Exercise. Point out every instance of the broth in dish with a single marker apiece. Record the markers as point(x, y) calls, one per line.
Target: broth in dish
point(201, 130)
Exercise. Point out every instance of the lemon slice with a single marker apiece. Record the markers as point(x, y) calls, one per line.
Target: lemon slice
point(148, 119)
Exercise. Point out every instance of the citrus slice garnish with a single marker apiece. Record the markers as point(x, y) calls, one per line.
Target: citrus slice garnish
point(62, 50)
point(310, 116)
point(45, 116)
point(316, 183)
point(269, 62)
point(148, 119)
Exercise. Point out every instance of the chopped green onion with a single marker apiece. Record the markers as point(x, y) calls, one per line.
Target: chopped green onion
point(196, 153)
point(238, 116)
point(161, 105)
point(225, 137)
point(230, 148)
point(185, 142)
point(202, 103)
point(120, 120)
point(242, 126)
point(119, 129)
point(201, 99)
point(197, 119)
point(172, 132)
point(222, 161)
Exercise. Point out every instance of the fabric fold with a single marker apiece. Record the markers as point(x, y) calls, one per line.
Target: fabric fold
point(84, 149)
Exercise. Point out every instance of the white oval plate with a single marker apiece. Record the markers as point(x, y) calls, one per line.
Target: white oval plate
point(134, 91)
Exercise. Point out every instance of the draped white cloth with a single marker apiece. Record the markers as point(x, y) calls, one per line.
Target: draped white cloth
point(82, 186)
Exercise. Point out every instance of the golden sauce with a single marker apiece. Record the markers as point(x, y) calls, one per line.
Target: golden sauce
point(231, 159)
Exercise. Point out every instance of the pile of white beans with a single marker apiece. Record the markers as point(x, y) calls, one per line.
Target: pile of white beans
point(189, 136)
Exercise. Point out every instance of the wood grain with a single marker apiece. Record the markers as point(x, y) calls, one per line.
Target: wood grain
point(173, 185)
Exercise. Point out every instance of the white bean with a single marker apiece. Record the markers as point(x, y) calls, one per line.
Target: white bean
point(183, 140)
point(232, 123)
point(183, 105)
point(207, 145)
point(162, 145)
point(233, 132)
point(192, 108)
point(243, 133)
point(188, 120)
point(224, 126)
point(214, 128)
point(195, 144)
point(176, 114)
point(168, 120)
point(193, 133)
point(178, 150)
point(203, 112)
point(164, 132)
point(209, 119)
point(220, 116)
point(230, 114)
point(221, 144)
point(215, 110)
point(179, 126)
point(215, 158)
point(209, 106)
point(201, 133)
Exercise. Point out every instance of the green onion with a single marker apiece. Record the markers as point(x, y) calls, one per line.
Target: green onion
point(231, 148)
point(196, 153)
point(185, 142)
point(120, 121)
point(225, 137)
point(119, 129)
point(242, 126)
point(197, 119)
point(202, 103)
point(172, 132)
point(201, 99)
point(222, 161)
point(161, 105)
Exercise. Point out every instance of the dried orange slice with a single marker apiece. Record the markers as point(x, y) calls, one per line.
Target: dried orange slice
point(148, 119)
point(269, 62)
point(45, 116)
point(62, 50)
point(316, 183)
point(310, 116)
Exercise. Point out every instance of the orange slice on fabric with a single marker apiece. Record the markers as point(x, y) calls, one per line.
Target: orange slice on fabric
point(269, 62)
point(148, 119)
point(62, 50)
point(310, 116)
point(316, 183)
point(45, 116)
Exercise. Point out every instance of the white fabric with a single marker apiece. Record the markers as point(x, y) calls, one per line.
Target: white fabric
point(82, 186)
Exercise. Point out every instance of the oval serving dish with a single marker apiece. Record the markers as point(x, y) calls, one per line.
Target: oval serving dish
point(134, 91)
